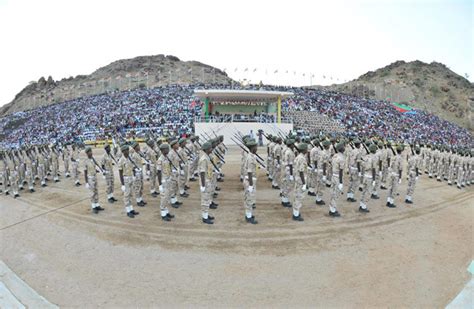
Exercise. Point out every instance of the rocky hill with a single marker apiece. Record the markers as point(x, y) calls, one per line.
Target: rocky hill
point(145, 71)
point(432, 87)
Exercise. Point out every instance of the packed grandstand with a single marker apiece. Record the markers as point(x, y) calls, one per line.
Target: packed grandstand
point(173, 109)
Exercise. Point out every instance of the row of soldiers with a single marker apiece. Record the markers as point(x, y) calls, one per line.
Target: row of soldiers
point(167, 164)
point(298, 166)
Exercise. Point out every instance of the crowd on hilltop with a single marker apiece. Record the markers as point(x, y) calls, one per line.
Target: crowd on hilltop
point(173, 109)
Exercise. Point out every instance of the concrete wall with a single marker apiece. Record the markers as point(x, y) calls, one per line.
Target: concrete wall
point(228, 129)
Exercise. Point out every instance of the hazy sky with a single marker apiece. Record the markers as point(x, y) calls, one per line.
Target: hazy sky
point(342, 39)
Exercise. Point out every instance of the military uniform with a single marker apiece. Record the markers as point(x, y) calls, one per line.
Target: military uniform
point(138, 177)
point(127, 167)
point(288, 183)
point(368, 184)
point(337, 164)
point(276, 177)
point(75, 166)
point(166, 168)
point(414, 165)
point(354, 172)
point(250, 197)
point(205, 167)
point(90, 168)
point(301, 168)
point(394, 177)
point(107, 163)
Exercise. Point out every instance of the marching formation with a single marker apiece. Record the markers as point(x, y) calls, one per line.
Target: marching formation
point(318, 166)
point(309, 166)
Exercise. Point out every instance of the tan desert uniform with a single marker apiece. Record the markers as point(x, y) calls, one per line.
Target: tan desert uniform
point(138, 178)
point(270, 146)
point(385, 155)
point(174, 176)
point(127, 167)
point(66, 158)
point(54, 164)
point(370, 162)
point(13, 179)
point(277, 166)
point(205, 166)
point(250, 197)
point(183, 174)
point(152, 156)
point(163, 164)
point(75, 165)
point(288, 183)
point(354, 158)
point(107, 163)
point(337, 163)
point(4, 175)
point(317, 172)
point(92, 181)
point(29, 171)
point(413, 163)
point(394, 177)
point(301, 165)
point(42, 168)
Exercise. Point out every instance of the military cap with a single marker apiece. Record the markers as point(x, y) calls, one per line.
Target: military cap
point(251, 143)
point(88, 149)
point(326, 143)
point(182, 140)
point(316, 141)
point(357, 141)
point(106, 145)
point(340, 146)
point(373, 148)
point(173, 142)
point(164, 146)
point(206, 146)
point(380, 144)
point(289, 142)
point(150, 142)
point(302, 146)
point(134, 144)
point(123, 147)
point(400, 148)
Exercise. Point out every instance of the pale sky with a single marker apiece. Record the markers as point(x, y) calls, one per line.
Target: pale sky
point(342, 39)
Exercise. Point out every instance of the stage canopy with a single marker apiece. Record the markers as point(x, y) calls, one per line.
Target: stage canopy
point(226, 95)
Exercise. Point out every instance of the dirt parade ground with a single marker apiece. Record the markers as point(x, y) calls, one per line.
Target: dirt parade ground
point(412, 255)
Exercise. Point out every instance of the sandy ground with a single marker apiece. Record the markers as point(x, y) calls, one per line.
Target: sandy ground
point(408, 256)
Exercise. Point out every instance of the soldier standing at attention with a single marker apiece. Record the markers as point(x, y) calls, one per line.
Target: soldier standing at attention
point(66, 158)
point(250, 181)
point(368, 183)
point(126, 171)
point(107, 163)
point(317, 171)
point(75, 165)
point(183, 174)
point(152, 156)
point(270, 147)
point(137, 158)
point(378, 176)
point(276, 178)
point(205, 174)
point(301, 169)
point(288, 185)
point(91, 180)
point(395, 176)
point(338, 162)
point(13, 175)
point(354, 170)
point(414, 167)
point(175, 174)
point(165, 170)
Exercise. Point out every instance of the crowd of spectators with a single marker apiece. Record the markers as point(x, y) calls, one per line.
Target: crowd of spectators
point(174, 108)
